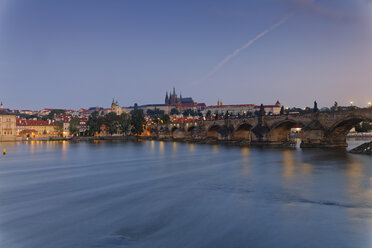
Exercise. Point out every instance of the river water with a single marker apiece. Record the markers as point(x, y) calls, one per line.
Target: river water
point(165, 194)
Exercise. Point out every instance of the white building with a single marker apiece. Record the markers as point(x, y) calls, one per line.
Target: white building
point(241, 109)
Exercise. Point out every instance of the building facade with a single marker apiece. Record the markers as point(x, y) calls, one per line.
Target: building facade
point(35, 128)
point(7, 126)
point(242, 109)
point(271, 109)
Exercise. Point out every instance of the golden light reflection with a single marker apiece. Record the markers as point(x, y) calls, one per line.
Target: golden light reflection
point(288, 164)
point(245, 160)
point(48, 146)
point(245, 151)
point(215, 148)
point(161, 147)
point(32, 146)
point(192, 147)
point(306, 168)
point(64, 149)
point(152, 145)
point(354, 174)
point(174, 146)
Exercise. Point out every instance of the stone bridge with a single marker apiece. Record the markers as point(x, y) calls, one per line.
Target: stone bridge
point(321, 129)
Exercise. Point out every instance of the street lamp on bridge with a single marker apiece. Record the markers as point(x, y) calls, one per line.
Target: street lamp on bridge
point(369, 104)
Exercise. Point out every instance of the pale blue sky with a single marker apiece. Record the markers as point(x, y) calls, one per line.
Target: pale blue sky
point(82, 53)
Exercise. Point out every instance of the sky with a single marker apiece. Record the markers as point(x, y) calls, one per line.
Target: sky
point(83, 53)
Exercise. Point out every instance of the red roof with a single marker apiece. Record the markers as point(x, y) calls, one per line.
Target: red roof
point(27, 131)
point(25, 122)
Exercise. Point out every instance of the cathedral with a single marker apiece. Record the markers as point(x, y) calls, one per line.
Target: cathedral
point(172, 99)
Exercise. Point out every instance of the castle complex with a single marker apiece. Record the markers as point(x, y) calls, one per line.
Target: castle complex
point(173, 99)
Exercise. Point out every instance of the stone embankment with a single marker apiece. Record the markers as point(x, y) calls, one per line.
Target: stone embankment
point(366, 148)
point(359, 135)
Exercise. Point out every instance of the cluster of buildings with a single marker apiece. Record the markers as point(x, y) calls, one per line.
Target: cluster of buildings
point(48, 122)
point(27, 124)
point(173, 101)
point(243, 109)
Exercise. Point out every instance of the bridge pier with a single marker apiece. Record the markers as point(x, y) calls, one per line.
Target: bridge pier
point(179, 134)
point(317, 138)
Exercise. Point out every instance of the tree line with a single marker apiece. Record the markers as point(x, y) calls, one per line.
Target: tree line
point(115, 124)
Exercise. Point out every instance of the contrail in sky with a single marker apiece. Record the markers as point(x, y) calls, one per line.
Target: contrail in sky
point(245, 46)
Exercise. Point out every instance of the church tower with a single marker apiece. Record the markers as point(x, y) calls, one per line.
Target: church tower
point(166, 98)
point(173, 98)
point(113, 104)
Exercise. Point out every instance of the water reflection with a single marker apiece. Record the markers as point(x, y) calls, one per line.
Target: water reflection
point(306, 168)
point(215, 148)
point(315, 198)
point(288, 164)
point(152, 145)
point(32, 146)
point(64, 149)
point(245, 160)
point(354, 172)
point(192, 147)
point(161, 147)
point(174, 146)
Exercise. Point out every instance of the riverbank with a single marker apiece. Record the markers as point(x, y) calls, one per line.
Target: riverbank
point(359, 135)
point(90, 138)
point(293, 144)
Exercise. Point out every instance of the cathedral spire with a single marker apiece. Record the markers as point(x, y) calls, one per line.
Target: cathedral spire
point(166, 98)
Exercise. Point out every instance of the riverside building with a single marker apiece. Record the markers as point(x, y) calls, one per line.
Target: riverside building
point(7, 125)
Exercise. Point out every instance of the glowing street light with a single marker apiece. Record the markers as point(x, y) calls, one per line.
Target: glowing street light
point(369, 104)
point(351, 103)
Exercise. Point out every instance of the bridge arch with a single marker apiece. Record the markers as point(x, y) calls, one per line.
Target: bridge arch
point(338, 131)
point(189, 132)
point(177, 132)
point(243, 132)
point(173, 129)
point(190, 128)
point(280, 131)
point(212, 131)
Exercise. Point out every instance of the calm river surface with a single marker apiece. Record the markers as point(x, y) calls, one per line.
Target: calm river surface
point(164, 194)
